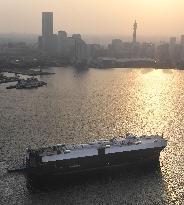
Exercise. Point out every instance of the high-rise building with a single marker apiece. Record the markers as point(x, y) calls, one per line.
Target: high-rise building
point(163, 53)
point(76, 36)
point(172, 41)
point(48, 41)
point(62, 34)
point(63, 44)
point(47, 24)
point(147, 50)
point(172, 48)
point(182, 40)
point(116, 48)
point(80, 49)
point(182, 48)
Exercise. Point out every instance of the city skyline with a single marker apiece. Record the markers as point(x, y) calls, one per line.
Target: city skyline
point(158, 18)
point(73, 49)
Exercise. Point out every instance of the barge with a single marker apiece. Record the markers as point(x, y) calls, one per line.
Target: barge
point(99, 155)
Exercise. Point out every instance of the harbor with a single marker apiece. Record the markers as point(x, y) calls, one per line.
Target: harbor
point(79, 107)
point(91, 102)
point(22, 77)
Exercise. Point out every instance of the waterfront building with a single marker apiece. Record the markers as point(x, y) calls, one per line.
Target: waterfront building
point(147, 50)
point(66, 47)
point(72, 48)
point(126, 53)
point(80, 50)
point(94, 50)
point(163, 54)
point(40, 43)
point(182, 40)
point(172, 44)
point(116, 48)
point(62, 43)
point(178, 55)
point(172, 49)
point(135, 50)
point(182, 48)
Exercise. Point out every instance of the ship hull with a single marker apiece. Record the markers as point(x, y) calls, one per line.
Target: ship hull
point(93, 164)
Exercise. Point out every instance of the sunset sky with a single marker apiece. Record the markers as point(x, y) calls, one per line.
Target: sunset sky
point(155, 17)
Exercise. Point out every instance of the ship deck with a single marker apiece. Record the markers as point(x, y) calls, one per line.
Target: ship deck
point(118, 145)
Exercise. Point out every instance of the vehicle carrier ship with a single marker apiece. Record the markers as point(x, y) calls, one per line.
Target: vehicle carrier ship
point(100, 154)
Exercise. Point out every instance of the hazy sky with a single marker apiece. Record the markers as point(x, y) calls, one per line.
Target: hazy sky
point(155, 17)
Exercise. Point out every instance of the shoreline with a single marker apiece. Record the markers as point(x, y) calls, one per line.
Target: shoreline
point(28, 71)
point(31, 72)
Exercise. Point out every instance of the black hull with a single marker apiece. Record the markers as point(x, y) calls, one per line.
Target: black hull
point(49, 182)
point(97, 164)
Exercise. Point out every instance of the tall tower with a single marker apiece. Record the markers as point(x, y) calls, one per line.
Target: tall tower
point(48, 40)
point(135, 32)
point(47, 24)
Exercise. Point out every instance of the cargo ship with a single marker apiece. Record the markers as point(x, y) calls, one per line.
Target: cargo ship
point(99, 155)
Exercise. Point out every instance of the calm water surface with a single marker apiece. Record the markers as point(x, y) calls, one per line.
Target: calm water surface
point(77, 107)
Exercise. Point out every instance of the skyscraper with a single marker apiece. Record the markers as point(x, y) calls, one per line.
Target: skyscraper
point(48, 41)
point(47, 24)
point(135, 33)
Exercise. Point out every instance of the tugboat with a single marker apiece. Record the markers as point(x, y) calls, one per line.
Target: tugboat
point(61, 159)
